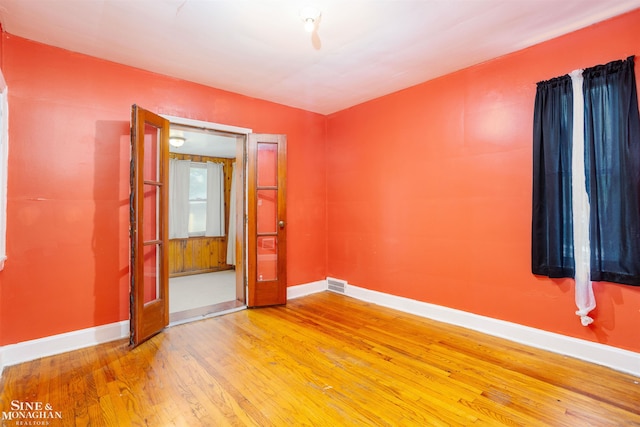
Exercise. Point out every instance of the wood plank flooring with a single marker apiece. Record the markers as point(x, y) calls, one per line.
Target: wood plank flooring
point(323, 360)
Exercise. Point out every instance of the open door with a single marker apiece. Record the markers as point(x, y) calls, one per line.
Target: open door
point(266, 230)
point(149, 226)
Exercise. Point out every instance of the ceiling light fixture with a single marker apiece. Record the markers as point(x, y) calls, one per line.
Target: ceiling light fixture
point(177, 141)
point(309, 16)
point(176, 138)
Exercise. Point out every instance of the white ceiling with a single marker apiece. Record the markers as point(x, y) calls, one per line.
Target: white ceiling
point(362, 49)
point(204, 142)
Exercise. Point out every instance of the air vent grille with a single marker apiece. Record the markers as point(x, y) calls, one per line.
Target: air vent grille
point(336, 285)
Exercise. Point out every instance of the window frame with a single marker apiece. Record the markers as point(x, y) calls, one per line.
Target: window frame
point(198, 165)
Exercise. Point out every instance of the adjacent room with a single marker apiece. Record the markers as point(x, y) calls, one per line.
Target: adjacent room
point(319, 213)
point(202, 275)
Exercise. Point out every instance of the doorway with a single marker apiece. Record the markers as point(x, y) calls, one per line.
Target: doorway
point(259, 218)
point(203, 272)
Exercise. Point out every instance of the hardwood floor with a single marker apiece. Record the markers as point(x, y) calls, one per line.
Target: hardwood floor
point(324, 359)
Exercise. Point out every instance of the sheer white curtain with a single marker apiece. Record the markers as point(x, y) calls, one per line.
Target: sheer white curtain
point(215, 200)
point(179, 175)
point(585, 300)
point(231, 237)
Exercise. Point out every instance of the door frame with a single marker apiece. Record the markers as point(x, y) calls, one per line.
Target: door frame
point(240, 131)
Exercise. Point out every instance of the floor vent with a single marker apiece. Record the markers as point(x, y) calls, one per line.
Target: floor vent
point(336, 285)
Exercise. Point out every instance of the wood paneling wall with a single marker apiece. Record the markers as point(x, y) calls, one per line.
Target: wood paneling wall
point(202, 254)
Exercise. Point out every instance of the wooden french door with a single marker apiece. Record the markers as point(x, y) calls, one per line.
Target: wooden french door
point(266, 231)
point(149, 226)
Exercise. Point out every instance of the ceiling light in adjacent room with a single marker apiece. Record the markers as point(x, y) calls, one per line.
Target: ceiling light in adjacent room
point(176, 138)
point(177, 141)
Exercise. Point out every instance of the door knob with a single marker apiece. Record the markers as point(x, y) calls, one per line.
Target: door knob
point(281, 224)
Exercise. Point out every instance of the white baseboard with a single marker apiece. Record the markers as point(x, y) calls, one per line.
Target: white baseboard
point(48, 346)
point(306, 289)
point(600, 354)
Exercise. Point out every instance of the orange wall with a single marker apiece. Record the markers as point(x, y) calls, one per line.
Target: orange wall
point(425, 193)
point(429, 191)
point(68, 192)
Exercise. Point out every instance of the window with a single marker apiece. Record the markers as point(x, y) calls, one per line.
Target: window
point(586, 181)
point(197, 199)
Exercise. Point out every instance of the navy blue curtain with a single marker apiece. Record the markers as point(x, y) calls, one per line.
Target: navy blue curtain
point(612, 166)
point(552, 226)
point(612, 169)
